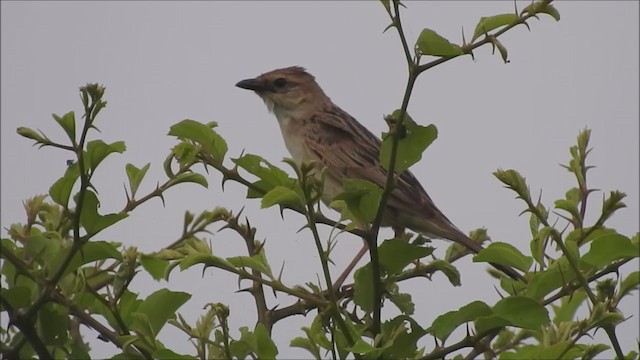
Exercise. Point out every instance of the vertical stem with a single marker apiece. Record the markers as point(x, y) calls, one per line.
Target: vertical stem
point(311, 220)
point(77, 240)
point(375, 229)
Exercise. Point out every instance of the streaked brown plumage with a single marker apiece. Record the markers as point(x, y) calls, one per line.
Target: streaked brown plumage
point(314, 128)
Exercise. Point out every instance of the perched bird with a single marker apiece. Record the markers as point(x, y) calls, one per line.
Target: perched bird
point(314, 128)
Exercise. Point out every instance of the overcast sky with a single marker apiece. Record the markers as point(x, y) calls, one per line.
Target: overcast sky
point(162, 62)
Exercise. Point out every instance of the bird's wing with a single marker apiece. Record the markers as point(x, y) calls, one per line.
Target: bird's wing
point(348, 149)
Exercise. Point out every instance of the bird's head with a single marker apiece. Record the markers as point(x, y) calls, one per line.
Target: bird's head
point(285, 89)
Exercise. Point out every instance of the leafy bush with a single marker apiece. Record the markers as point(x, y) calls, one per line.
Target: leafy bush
point(56, 276)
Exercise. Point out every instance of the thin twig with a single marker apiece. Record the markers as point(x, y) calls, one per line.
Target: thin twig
point(311, 221)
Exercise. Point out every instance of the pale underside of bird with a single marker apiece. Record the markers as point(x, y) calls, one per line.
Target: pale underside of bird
point(314, 128)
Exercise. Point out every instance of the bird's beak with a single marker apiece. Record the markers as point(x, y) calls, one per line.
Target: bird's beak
point(251, 84)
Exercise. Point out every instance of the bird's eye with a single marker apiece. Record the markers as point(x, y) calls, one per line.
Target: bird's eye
point(280, 82)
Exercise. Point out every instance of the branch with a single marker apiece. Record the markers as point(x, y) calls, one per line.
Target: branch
point(467, 49)
point(89, 321)
point(248, 234)
point(311, 222)
point(91, 110)
point(389, 183)
point(26, 327)
point(468, 341)
point(132, 203)
point(231, 174)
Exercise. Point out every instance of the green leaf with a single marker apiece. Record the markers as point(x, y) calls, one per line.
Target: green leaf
point(98, 150)
point(44, 246)
point(341, 207)
point(362, 198)
point(486, 24)
point(386, 4)
point(430, 43)
point(544, 352)
point(568, 306)
point(341, 345)
point(504, 254)
point(589, 352)
point(403, 302)
point(445, 324)
point(255, 262)
point(514, 181)
point(551, 279)
point(485, 323)
point(523, 312)
point(32, 134)
point(90, 252)
point(265, 347)
point(258, 342)
point(413, 142)
point(262, 187)
point(572, 250)
point(448, 270)
point(502, 49)
point(281, 195)
point(538, 244)
point(630, 283)
point(135, 176)
point(68, 124)
point(162, 306)
point(18, 297)
point(601, 317)
point(512, 287)
point(360, 347)
point(317, 333)
point(201, 134)
point(241, 348)
point(93, 222)
point(552, 11)
point(396, 254)
point(141, 324)
point(570, 203)
point(185, 152)
point(127, 355)
point(263, 169)
point(206, 259)
point(306, 344)
point(52, 324)
point(166, 354)
point(78, 350)
point(540, 7)
point(577, 235)
point(270, 176)
point(363, 288)
point(404, 344)
point(190, 177)
point(608, 248)
point(155, 267)
point(127, 305)
point(60, 191)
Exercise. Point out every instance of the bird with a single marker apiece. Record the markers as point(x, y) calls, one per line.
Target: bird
point(315, 129)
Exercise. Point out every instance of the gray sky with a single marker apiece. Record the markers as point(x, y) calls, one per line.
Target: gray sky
point(162, 62)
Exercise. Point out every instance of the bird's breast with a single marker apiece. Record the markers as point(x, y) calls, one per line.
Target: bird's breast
point(293, 133)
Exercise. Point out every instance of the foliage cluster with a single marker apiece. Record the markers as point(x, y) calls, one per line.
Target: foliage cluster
point(56, 274)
